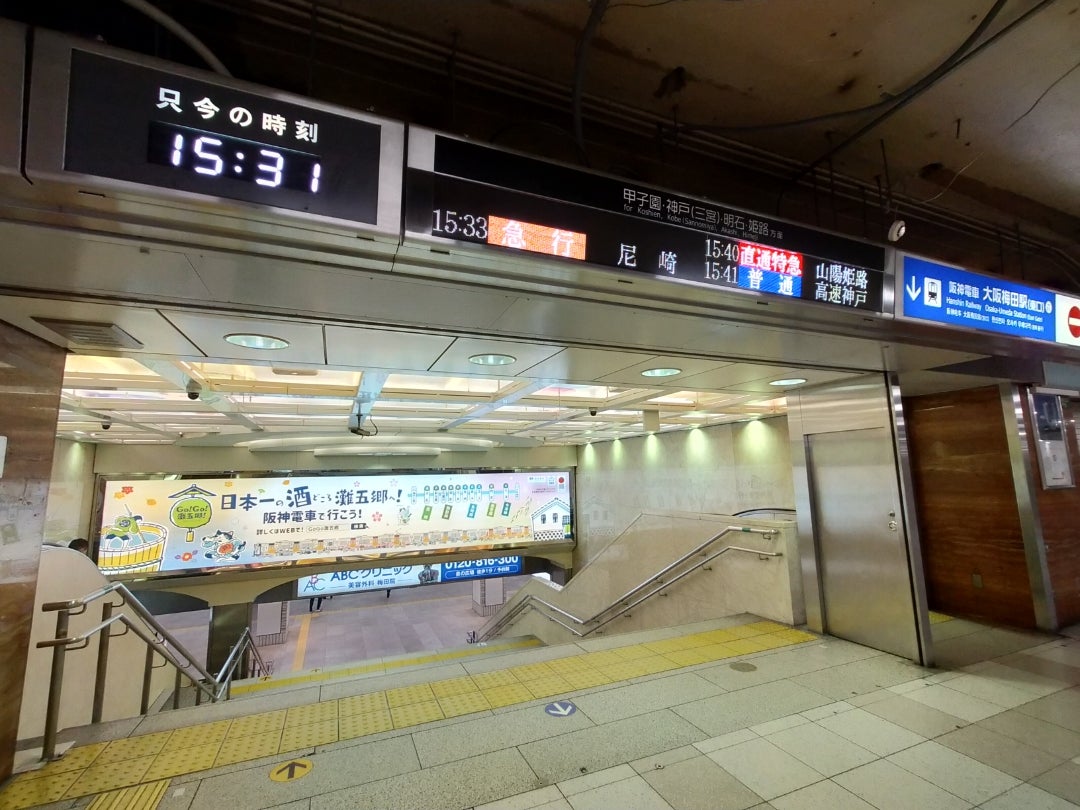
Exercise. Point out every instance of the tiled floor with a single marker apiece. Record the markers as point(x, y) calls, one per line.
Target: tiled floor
point(358, 626)
point(799, 723)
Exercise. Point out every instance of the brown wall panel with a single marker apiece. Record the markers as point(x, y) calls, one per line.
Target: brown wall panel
point(969, 522)
point(30, 378)
point(1059, 511)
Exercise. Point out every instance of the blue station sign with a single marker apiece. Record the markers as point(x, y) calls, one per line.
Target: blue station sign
point(948, 295)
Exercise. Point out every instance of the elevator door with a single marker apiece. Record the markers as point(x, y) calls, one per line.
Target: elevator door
point(862, 556)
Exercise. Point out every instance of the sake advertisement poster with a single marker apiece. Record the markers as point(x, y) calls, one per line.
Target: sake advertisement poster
point(193, 526)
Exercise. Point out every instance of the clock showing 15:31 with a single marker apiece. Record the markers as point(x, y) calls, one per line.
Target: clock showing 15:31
point(216, 156)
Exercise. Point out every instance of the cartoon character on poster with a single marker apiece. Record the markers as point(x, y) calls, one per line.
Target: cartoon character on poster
point(192, 511)
point(131, 545)
point(222, 546)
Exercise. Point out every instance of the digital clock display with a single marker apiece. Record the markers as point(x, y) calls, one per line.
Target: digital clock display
point(151, 128)
point(215, 155)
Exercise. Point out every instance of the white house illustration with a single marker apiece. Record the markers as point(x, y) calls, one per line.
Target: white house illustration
point(552, 520)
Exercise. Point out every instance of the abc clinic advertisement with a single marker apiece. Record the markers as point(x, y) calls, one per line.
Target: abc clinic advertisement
point(199, 525)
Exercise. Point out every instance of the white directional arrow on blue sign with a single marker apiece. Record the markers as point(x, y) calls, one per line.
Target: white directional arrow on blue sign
point(913, 289)
point(560, 708)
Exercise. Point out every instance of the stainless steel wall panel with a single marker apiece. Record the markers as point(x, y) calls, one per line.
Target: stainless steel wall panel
point(853, 542)
point(1021, 452)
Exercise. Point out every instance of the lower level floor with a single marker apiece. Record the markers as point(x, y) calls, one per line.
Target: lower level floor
point(735, 713)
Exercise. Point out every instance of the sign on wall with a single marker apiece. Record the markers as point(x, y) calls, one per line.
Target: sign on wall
point(405, 576)
point(116, 119)
point(471, 193)
point(214, 523)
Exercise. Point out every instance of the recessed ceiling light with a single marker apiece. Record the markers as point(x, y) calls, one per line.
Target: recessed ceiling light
point(789, 381)
point(661, 372)
point(492, 359)
point(256, 341)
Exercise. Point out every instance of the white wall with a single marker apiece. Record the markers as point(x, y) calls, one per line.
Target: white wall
point(121, 460)
point(720, 470)
point(71, 492)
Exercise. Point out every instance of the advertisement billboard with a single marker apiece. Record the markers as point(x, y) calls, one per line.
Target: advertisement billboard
point(193, 526)
point(404, 576)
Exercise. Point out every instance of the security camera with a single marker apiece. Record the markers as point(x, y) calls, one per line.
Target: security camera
point(592, 411)
point(106, 424)
point(897, 230)
point(194, 390)
point(355, 428)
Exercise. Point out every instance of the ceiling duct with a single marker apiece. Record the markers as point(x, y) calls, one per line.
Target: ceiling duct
point(90, 335)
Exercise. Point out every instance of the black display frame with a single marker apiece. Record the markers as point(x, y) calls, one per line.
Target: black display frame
point(91, 107)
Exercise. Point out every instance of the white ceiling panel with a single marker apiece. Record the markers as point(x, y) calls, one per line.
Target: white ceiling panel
point(812, 377)
point(383, 348)
point(584, 365)
point(299, 288)
point(733, 376)
point(602, 324)
point(456, 358)
point(631, 375)
point(305, 339)
point(157, 335)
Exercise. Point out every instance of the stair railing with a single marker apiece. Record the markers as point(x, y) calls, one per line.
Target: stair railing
point(158, 642)
point(640, 593)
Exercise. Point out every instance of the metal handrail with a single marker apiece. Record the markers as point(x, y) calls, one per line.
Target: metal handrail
point(529, 601)
point(157, 639)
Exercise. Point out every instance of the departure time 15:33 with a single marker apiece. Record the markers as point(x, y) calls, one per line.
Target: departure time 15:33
point(458, 225)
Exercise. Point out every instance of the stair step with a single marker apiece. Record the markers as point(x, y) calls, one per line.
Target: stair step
point(381, 666)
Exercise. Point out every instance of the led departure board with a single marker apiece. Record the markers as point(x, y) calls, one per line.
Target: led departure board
point(135, 122)
point(472, 193)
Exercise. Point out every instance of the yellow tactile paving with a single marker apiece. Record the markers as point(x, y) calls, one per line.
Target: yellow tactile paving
point(938, 618)
point(586, 679)
point(416, 713)
point(22, 792)
point(99, 778)
point(361, 704)
point(205, 734)
point(364, 723)
point(312, 713)
point(530, 672)
point(744, 631)
point(114, 768)
point(407, 695)
point(132, 747)
point(139, 797)
point(507, 695)
point(668, 645)
point(600, 659)
point(243, 749)
point(320, 733)
point(632, 652)
point(688, 657)
point(454, 686)
point(499, 677)
point(273, 682)
point(256, 724)
point(465, 703)
point(717, 652)
point(745, 646)
point(76, 759)
point(546, 687)
point(184, 760)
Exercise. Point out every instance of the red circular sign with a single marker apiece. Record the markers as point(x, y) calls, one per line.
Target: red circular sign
point(1074, 321)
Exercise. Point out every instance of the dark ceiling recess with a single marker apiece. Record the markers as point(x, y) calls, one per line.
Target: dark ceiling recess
point(395, 66)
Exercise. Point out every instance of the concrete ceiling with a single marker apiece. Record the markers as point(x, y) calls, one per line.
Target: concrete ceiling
point(1006, 115)
point(775, 83)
